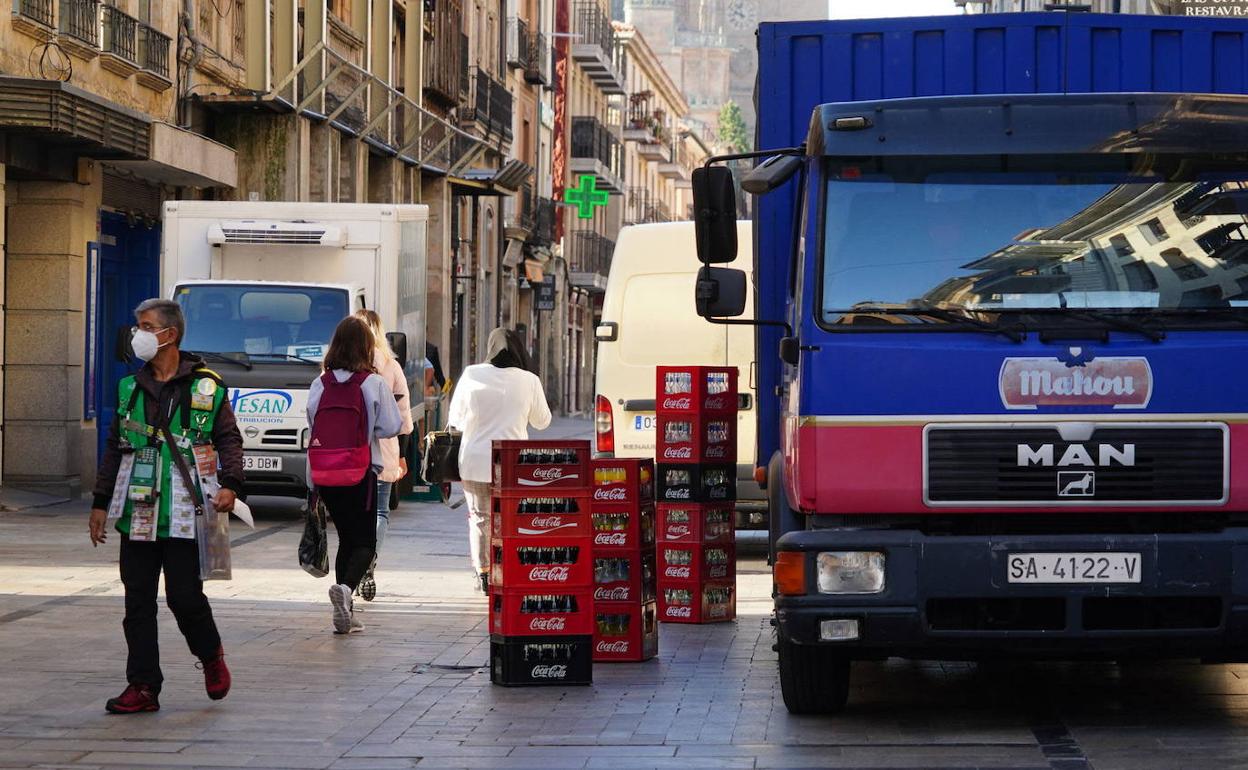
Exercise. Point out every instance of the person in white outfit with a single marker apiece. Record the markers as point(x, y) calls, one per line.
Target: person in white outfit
point(497, 400)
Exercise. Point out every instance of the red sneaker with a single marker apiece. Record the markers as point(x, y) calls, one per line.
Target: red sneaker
point(216, 675)
point(134, 699)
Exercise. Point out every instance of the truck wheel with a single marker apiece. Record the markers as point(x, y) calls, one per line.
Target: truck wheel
point(813, 680)
point(782, 518)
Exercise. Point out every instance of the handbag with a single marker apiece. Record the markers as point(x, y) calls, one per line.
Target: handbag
point(314, 545)
point(440, 461)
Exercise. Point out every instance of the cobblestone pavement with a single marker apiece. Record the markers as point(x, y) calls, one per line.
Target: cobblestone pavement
point(413, 690)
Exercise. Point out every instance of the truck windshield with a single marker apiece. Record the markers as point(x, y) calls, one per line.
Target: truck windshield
point(1032, 247)
point(248, 320)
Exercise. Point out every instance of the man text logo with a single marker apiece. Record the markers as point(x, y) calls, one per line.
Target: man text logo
point(1076, 455)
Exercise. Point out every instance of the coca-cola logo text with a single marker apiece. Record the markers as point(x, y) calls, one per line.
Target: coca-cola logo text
point(548, 624)
point(677, 452)
point(619, 594)
point(679, 612)
point(678, 403)
point(611, 538)
point(555, 574)
point(677, 530)
point(610, 493)
point(676, 572)
point(1120, 382)
point(543, 476)
point(618, 647)
point(549, 672)
point(544, 525)
point(677, 494)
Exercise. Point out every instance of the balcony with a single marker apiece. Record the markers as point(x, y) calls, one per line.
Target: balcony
point(522, 215)
point(596, 151)
point(589, 259)
point(446, 55)
point(1226, 243)
point(678, 167)
point(489, 105)
point(538, 71)
point(594, 48)
point(518, 54)
point(35, 18)
point(544, 222)
point(528, 51)
point(79, 27)
point(120, 43)
point(153, 58)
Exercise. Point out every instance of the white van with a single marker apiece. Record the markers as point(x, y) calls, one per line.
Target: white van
point(648, 320)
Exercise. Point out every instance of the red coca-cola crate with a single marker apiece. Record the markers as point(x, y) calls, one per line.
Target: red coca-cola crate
point(704, 389)
point(696, 438)
point(706, 483)
point(623, 527)
point(561, 513)
point(700, 563)
point(625, 631)
point(552, 563)
point(520, 661)
point(525, 466)
point(623, 480)
point(624, 576)
point(694, 602)
point(694, 523)
point(545, 612)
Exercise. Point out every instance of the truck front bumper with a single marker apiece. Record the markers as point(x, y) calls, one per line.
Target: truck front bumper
point(948, 598)
point(289, 480)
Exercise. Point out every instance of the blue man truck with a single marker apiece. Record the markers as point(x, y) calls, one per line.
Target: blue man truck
point(1002, 267)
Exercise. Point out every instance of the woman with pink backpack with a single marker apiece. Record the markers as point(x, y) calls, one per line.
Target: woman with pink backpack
point(350, 409)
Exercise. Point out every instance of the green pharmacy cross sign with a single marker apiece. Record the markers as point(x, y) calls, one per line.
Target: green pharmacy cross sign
point(586, 197)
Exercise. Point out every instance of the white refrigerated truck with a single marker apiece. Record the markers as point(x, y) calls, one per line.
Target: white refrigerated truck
point(264, 284)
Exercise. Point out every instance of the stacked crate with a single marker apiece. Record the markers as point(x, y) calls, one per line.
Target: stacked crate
point(696, 431)
point(625, 613)
point(541, 581)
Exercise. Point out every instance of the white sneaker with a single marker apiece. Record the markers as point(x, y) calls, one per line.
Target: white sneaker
point(340, 598)
point(356, 625)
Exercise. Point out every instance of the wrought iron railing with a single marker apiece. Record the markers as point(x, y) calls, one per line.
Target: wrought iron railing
point(80, 19)
point(590, 252)
point(538, 70)
point(523, 209)
point(491, 103)
point(120, 34)
point(36, 10)
point(153, 50)
point(446, 54)
point(518, 54)
point(591, 139)
point(594, 26)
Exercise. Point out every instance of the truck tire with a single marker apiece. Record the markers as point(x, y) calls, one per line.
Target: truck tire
point(781, 518)
point(813, 680)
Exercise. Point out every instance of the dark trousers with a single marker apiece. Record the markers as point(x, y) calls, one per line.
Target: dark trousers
point(141, 564)
point(355, 517)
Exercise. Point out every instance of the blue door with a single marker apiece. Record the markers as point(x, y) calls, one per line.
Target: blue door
point(129, 273)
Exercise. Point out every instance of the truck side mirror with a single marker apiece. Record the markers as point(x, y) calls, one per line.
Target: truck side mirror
point(398, 344)
point(770, 174)
point(121, 345)
point(715, 214)
point(720, 292)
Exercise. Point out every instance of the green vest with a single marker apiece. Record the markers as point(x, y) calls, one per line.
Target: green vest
point(189, 425)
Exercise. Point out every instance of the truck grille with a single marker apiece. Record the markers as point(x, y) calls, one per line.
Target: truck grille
point(280, 438)
point(1032, 464)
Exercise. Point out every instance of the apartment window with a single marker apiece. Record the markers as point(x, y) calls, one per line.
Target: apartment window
point(1120, 245)
point(1183, 267)
point(1152, 231)
point(1139, 276)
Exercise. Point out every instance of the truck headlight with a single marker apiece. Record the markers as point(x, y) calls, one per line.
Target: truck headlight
point(851, 572)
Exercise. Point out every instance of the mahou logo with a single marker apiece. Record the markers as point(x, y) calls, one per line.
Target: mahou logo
point(679, 612)
point(677, 452)
point(618, 647)
point(676, 572)
point(677, 530)
point(603, 494)
point(611, 538)
point(678, 403)
point(557, 574)
point(1118, 382)
point(549, 672)
point(548, 624)
point(611, 594)
point(544, 476)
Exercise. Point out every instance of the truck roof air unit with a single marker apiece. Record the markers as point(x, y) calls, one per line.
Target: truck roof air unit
point(261, 231)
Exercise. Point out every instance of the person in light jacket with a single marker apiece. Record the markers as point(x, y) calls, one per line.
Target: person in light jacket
point(496, 400)
point(352, 508)
point(393, 450)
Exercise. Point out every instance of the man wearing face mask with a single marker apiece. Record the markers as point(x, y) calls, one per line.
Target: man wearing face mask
point(141, 486)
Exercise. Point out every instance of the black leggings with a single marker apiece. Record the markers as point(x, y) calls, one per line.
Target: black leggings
point(354, 513)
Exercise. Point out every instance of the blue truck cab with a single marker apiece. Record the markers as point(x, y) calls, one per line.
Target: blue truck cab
point(1006, 264)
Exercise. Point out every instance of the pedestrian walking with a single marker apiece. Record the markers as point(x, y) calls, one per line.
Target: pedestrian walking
point(350, 410)
point(140, 486)
point(496, 400)
point(393, 450)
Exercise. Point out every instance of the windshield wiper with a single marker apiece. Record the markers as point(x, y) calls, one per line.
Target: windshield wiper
point(242, 359)
point(1015, 333)
point(290, 357)
point(1111, 320)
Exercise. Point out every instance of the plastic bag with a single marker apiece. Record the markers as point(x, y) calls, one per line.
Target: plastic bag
point(314, 545)
point(213, 537)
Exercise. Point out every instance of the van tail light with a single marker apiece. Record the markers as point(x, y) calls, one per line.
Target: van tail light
point(604, 426)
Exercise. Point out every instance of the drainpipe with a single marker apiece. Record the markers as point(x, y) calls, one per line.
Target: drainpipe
point(197, 53)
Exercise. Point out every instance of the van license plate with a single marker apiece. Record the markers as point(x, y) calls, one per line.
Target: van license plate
point(1073, 568)
point(643, 422)
point(261, 463)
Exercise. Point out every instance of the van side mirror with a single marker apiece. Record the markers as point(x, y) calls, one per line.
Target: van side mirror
point(720, 292)
point(715, 214)
point(398, 344)
point(770, 174)
point(122, 350)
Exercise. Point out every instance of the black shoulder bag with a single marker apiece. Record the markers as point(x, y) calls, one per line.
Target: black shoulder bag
point(439, 463)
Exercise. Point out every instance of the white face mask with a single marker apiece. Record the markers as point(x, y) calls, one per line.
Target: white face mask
point(145, 344)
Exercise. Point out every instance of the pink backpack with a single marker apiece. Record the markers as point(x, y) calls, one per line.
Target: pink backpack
point(340, 452)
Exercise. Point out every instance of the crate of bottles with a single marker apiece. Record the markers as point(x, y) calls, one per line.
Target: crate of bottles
point(694, 523)
point(565, 612)
point(562, 513)
point(624, 576)
point(622, 481)
point(623, 527)
point(525, 661)
point(696, 438)
point(625, 631)
point(690, 602)
point(554, 563)
point(696, 389)
point(706, 483)
point(531, 466)
point(700, 563)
